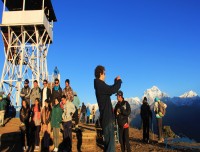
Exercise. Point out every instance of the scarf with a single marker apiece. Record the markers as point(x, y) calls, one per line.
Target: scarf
point(56, 88)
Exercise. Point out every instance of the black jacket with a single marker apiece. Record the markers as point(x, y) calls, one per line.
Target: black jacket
point(145, 112)
point(103, 93)
point(56, 94)
point(124, 110)
point(24, 115)
point(48, 95)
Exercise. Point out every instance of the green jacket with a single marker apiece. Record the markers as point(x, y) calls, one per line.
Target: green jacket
point(56, 116)
point(3, 104)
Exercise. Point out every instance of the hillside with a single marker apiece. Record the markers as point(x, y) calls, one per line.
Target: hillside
point(10, 137)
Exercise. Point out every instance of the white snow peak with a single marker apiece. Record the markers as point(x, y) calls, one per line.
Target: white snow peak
point(189, 94)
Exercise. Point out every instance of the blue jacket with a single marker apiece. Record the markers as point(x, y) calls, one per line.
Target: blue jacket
point(88, 111)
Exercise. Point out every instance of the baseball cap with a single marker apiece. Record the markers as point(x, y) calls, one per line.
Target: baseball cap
point(119, 93)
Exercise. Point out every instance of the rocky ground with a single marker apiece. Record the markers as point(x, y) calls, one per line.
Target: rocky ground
point(10, 140)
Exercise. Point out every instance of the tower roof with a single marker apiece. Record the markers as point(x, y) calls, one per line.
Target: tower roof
point(17, 5)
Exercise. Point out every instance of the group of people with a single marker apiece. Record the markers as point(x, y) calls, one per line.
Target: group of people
point(48, 111)
point(121, 113)
point(45, 109)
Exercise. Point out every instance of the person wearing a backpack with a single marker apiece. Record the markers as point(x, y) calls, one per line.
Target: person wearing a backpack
point(159, 109)
point(122, 111)
point(146, 115)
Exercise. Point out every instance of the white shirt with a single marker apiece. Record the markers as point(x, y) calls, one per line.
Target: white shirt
point(44, 97)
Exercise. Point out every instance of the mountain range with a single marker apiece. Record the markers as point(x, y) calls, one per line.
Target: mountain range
point(182, 112)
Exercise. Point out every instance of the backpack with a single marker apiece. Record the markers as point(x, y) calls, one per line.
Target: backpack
point(161, 109)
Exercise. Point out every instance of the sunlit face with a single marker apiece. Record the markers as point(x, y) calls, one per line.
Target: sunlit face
point(56, 101)
point(63, 100)
point(36, 102)
point(46, 104)
point(35, 84)
point(25, 84)
point(56, 83)
point(24, 103)
point(66, 84)
point(119, 98)
point(103, 76)
point(45, 83)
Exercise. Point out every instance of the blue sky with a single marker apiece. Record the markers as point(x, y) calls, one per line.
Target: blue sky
point(146, 42)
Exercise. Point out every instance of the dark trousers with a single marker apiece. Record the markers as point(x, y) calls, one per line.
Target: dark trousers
point(93, 119)
point(67, 135)
point(75, 117)
point(124, 139)
point(37, 135)
point(83, 118)
point(25, 138)
point(159, 124)
point(145, 129)
point(88, 119)
point(109, 139)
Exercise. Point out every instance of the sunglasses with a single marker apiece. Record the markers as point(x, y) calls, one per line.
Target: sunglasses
point(44, 83)
point(56, 83)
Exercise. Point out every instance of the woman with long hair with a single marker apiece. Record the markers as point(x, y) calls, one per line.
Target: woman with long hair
point(37, 121)
point(24, 127)
point(46, 127)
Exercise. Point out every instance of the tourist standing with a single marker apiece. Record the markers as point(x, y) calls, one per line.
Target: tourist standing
point(56, 119)
point(25, 92)
point(88, 114)
point(36, 116)
point(76, 103)
point(69, 110)
point(146, 115)
point(24, 127)
point(45, 93)
point(122, 112)
point(159, 118)
point(103, 93)
point(93, 114)
point(2, 110)
point(46, 127)
point(35, 93)
point(67, 91)
point(56, 92)
point(83, 113)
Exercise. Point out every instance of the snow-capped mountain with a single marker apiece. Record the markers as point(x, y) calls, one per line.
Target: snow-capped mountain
point(189, 94)
point(135, 102)
point(152, 93)
point(187, 99)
